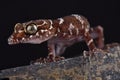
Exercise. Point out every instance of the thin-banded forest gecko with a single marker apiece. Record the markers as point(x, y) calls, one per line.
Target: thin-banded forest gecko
point(59, 33)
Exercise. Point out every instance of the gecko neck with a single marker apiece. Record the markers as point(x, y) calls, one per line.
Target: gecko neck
point(56, 26)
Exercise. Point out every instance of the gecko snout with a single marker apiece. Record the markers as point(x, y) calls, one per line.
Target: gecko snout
point(10, 40)
point(15, 38)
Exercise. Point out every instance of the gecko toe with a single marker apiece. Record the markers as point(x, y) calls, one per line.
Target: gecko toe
point(47, 60)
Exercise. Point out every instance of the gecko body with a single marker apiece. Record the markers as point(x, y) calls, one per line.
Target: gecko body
point(60, 33)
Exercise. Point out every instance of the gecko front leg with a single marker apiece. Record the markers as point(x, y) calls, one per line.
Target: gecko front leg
point(51, 50)
point(60, 48)
point(54, 50)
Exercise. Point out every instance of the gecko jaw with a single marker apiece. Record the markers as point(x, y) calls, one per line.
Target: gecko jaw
point(34, 39)
point(22, 40)
point(12, 41)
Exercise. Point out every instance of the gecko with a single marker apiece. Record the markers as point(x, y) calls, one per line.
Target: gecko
point(59, 33)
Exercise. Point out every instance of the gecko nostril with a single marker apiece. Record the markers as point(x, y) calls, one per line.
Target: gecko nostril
point(10, 40)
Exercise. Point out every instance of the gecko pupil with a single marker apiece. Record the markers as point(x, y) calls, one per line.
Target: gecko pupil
point(31, 28)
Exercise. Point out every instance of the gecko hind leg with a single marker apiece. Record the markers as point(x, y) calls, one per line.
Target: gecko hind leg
point(98, 34)
point(100, 39)
point(89, 41)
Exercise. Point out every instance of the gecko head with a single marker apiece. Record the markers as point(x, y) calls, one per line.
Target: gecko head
point(36, 31)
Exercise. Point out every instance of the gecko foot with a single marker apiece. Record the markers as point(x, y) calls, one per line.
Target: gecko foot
point(50, 58)
point(54, 58)
point(91, 53)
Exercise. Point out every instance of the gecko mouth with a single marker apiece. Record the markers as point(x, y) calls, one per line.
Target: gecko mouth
point(17, 41)
point(32, 39)
point(12, 40)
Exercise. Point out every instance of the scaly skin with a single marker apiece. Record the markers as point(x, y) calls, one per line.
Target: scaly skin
point(60, 33)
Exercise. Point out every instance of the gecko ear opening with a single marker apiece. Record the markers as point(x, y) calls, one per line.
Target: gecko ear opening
point(31, 28)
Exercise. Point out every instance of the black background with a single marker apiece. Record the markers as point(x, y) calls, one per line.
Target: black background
point(99, 12)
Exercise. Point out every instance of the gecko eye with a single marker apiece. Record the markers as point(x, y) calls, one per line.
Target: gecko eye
point(31, 28)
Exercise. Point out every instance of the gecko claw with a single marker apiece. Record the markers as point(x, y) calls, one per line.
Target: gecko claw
point(47, 60)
